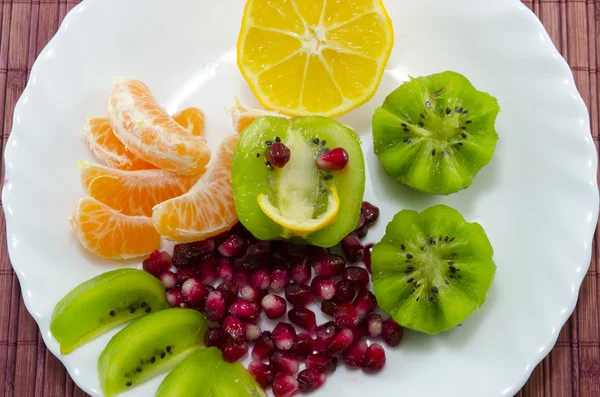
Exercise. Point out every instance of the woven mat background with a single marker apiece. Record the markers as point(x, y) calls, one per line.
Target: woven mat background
point(573, 367)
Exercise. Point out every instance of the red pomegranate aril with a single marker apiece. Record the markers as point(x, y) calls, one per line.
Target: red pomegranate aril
point(392, 332)
point(359, 332)
point(325, 334)
point(215, 337)
point(279, 154)
point(215, 306)
point(365, 303)
point(264, 347)
point(233, 246)
point(175, 297)
point(333, 160)
point(310, 380)
point(186, 255)
point(362, 232)
point(284, 363)
point(315, 252)
point(358, 276)
point(241, 276)
point(253, 332)
point(344, 291)
point(352, 247)
point(280, 278)
point(374, 359)
point(374, 325)
point(235, 330)
point(207, 269)
point(157, 262)
point(224, 269)
point(330, 266)
point(274, 306)
point(300, 271)
point(229, 290)
point(262, 373)
point(284, 336)
point(185, 274)
point(232, 353)
point(250, 293)
point(341, 342)
point(299, 294)
point(304, 346)
point(345, 315)
point(328, 307)
point(261, 278)
point(257, 255)
point(354, 355)
point(285, 386)
point(304, 318)
point(320, 362)
point(323, 287)
point(194, 291)
point(245, 310)
point(370, 213)
point(168, 279)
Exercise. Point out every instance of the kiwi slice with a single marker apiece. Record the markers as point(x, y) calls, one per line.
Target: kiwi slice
point(435, 133)
point(432, 269)
point(102, 303)
point(206, 374)
point(149, 346)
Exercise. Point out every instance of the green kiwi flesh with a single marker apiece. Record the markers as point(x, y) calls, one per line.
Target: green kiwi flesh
point(432, 269)
point(99, 304)
point(435, 133)
point(149, 346)
point(206, 374)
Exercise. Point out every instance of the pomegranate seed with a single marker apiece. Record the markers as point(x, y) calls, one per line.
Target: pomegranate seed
point(299, 294)
point(304, 346)
point(362, 232)
point(365, 303)
point(358, 276)
point(296, 250)
point(284, 336)
point(240, 230)
point(323, 287)
point(279, 278)
point(341, 342)
point(325, 334)
point(274, 306)
point(250, 293)
point(245, 310)
point(257, 255)
point(235, 330)
point(264, 347)
point(370, 213)
point(344, 291)
point(330, 266)
point(229, 291)
point(279, 154)
point(320, 362)
point(262, 373)
point(285, 386)
point(207, 269)
point(261, 278)
point(361, 222)
point(194, 291)
point(185, 274)
point(215, 337)
point(316, 253)
point(310, 380)
point(333, 160)
point(232, 353)
point(284, 363)
point(224, 269)
point(253, 332)
point(186, 255)
point(392, 332)
point(367, 256)
point(174, 297)
point(374, 325)
point(241, 276)
point(157, 262)
point(354, 355)
point(300, 271)
point(168, 279)
point(374, 359)
point(345, 315)
point(328, 307)
point(359, 332)
point(303, 318)
point(352, 247)
point(233, 246)
point(215, 307)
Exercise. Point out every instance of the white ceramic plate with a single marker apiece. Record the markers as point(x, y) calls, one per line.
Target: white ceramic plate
point(538, 199)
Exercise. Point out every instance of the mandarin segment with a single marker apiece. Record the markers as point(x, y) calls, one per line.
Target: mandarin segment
point(192, 119)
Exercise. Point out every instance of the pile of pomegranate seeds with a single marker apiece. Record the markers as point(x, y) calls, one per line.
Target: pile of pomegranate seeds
point(236, 280)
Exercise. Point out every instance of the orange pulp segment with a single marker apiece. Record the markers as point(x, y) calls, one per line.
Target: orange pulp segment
point(192, 119)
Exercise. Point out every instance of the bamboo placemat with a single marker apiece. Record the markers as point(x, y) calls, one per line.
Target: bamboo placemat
point(571, 369)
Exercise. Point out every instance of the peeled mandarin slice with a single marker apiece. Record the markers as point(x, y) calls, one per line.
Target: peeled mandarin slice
point(207, 209)
point(133, 192)
point(242, 117)
point(192, 119)
point(150, 133)
point(323, 57)
point(109, 234)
